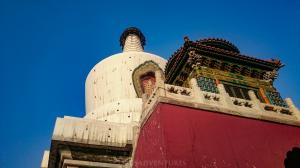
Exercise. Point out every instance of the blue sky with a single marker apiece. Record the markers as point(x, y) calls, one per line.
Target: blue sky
point(47, 49)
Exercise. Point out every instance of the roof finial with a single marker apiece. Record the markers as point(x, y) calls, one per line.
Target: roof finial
point(186, 39)
point(132, 39)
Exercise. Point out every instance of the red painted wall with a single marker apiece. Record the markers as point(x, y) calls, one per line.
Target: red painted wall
point(176, 136)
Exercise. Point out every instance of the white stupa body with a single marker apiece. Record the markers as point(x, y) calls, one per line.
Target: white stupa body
point(109, 91)
point(113, 110)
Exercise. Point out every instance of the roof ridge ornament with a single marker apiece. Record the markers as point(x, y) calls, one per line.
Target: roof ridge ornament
point(219, 43)
point(186, 39)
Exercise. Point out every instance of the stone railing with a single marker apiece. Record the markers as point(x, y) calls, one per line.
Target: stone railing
point(221, 102)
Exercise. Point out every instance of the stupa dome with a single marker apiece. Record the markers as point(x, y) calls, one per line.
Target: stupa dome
point(110, 94)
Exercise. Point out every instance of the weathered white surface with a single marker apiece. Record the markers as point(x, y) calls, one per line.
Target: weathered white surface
point(92, 132)
point(122, 111)
point(113, 108)
point(109, 91)
point(45, 159)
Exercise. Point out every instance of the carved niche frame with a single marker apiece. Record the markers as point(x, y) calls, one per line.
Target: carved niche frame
point(145, 68)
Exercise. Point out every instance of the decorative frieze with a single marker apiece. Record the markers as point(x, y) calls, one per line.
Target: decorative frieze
point(275, 99)
point(245, 71)
point(270, 75)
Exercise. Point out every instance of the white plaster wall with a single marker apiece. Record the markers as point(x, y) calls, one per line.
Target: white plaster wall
point(94, 132)
point(109, 91)
point(45, 160)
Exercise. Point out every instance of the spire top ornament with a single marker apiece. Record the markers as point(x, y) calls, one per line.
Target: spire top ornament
point(132, 39)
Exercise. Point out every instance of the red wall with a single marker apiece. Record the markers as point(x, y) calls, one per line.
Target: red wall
point(176, 136)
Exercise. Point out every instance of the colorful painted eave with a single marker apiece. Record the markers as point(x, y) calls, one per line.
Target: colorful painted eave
point(198, 45)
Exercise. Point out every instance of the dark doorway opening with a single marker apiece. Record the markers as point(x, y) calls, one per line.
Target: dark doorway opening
point(292, 159)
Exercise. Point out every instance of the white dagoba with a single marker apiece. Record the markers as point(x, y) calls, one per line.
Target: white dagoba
point(109, 92)
point(113, 111)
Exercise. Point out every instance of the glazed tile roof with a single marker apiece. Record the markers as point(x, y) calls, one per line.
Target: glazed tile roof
point(221, 47)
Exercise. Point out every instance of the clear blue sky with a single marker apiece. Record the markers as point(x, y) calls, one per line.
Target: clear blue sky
point(48, 47)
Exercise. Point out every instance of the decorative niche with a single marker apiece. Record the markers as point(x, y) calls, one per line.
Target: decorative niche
point(144, 79)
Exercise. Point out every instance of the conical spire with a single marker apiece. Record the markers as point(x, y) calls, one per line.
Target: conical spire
point(132, 39)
